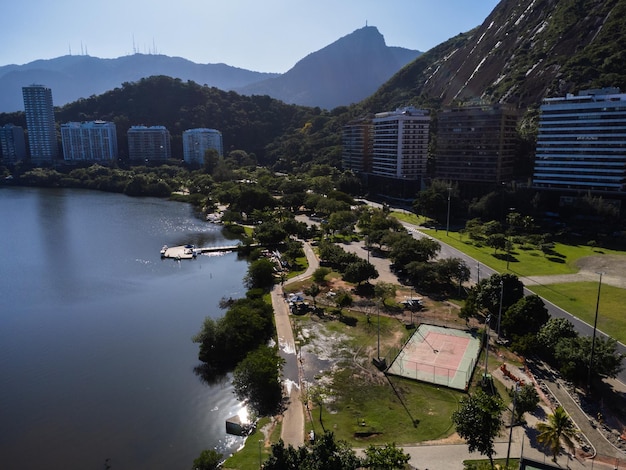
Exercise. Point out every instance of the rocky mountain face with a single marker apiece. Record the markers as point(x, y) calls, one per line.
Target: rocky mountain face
point(342, 73)
point(75, 77)
point(524, 51)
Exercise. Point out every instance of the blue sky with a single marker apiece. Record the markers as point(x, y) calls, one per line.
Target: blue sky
point(261, 35)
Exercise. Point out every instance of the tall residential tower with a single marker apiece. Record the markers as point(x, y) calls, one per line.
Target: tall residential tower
point(39, 112)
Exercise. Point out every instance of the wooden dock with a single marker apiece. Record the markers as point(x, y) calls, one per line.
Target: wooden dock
point(187, 252)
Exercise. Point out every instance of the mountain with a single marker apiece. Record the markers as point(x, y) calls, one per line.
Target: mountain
point(344, 72)
point(523, 51)
point(74, 77)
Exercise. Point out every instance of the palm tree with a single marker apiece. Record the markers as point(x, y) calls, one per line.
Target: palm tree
point(559, 426)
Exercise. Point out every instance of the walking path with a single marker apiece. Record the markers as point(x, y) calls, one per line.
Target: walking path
point(292, 431)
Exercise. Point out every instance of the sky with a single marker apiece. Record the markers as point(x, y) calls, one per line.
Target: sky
point(259, 35)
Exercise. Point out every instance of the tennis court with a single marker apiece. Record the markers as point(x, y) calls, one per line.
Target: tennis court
point(443, 356)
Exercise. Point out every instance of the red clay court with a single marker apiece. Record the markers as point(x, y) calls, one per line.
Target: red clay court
point(443, 356)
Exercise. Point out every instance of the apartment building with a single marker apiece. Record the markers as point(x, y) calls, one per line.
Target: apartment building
point(357, 143)
point(476, 144)
point(12, 144)
point(149, 143)
point(93, 141)
point(400, 145)
point(197, 141)
point(581, 145)
point(39, 111)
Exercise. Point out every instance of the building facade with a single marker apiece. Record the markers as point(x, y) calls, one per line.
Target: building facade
point(12, 144)
point(400, 144)
point(94, 141)
point(39, 111)
point(476, 144)
point(356, 145)
point(149, 143)
point(197, 141)
point(581, 144)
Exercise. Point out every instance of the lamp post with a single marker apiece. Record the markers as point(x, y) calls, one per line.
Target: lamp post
point(593, 338)
point(508, 239)
point(508, 451)
point(448, 217)
point(500, 309)
point(487, 320)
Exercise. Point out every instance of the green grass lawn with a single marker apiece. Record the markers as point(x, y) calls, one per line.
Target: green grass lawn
point(523, 260)
point(579, 298)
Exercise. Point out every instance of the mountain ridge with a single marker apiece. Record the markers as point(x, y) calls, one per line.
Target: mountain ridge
point(347, 70)
point(74, 77)
point(360, 60)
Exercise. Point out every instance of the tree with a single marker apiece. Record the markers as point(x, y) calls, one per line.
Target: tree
point(388, 457)
point(559, 426)
point(489, 290)
point(526, 400)
point(360, 271)
point(285, 458)
point(257, 379)
point(313, 290)
point(342, 222)
point(478, 420)
point(573, 355)
point(319, 275)
point(526, 316)
point(553, 331)
point(260, 274)
point(209, 459)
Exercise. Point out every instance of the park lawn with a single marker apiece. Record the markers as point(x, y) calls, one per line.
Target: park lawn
point(363, 406)
point(579, 299)
point(524, 260)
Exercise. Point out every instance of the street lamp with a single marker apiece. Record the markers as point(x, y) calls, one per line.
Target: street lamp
point(487, 320)
point(508, 451)
point(500, 309)
point(448, 218)
point(508, 241)
point(593, 338)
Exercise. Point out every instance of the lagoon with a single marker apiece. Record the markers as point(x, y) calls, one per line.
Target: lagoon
point(96, 357)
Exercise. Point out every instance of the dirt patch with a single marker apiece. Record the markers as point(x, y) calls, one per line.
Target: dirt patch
point(611, 265)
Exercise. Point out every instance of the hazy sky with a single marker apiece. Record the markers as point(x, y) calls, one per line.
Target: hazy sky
point(261, 35)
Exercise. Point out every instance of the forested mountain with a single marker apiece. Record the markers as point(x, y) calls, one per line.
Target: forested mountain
point(345, 72)
point(72, 77)
point(247, 123)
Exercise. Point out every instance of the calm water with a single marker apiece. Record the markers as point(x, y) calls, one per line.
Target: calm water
point(96, 358)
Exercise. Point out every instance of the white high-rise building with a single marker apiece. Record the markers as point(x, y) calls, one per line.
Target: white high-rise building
point(39, 111)
point(400, 148)
point(89, 141)
point(197, 141)
point(581, 145)
point(149, 143)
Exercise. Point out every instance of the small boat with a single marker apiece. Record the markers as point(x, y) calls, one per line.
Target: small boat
point(163, 250)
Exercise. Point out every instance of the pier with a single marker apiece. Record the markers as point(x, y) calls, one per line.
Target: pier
point(190, 252)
